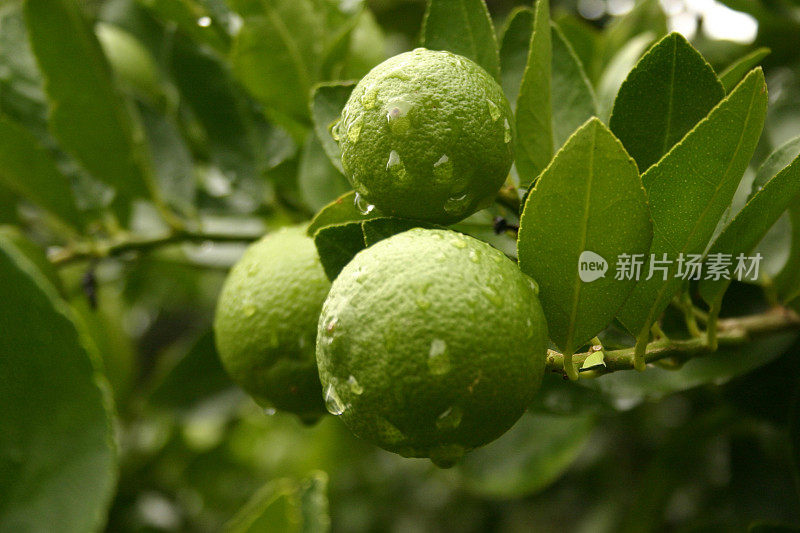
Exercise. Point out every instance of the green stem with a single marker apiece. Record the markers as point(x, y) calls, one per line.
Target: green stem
point(712, 325)
point(106, 249)
point(640, 351)
point(731, 332)
point(569, 367)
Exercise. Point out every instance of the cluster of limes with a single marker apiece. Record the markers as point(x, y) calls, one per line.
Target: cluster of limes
point(429, 343)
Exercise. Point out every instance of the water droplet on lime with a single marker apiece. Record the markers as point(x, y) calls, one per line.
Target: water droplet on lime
point(270, 411)
point(438, 360)
point(443, 168)
point(363, 206)
point(507, 131)
point(354, 131)
point(494, 111)
point(396, 167)
point(333, 403)
point(473, 256)
point(492, 296)
point(450, 418)
point(355, 387)
point(335, 130)
point(458, 242)
point(397, 115)
point(369, 97)
point(447, 456)
point(457, 203)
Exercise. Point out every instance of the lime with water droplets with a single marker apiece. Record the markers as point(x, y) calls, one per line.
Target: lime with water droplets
point(444, 338)
point(266, 322)
point(427, 135)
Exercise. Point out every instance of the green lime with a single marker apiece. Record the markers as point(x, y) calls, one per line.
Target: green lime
point(426, 135)
point(431, 343)
point(266, 322)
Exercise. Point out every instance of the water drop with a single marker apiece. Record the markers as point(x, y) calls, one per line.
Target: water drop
point(473, 256)
point(369, 97)
point(204, 22)
point(331, 325)
point(492, 296)
point(363, 206)
point(270, 411)
point(335, 130)
point(438, 360)
point(457, 203)
point(249, 310)
point(459, 242)
point(397, 115)
point(354, 131)
point(450, 418)
point(447, 456)
point(355, 387)
point(423, 303)
point(494, 111)
point(507, 131)
point(534, 286)
point(443, 168)
point(333, 403)
point(396, 166)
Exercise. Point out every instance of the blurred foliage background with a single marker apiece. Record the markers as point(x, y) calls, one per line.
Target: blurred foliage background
point(706, 448)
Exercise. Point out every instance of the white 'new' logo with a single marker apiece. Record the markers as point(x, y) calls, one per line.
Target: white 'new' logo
point(591, 266)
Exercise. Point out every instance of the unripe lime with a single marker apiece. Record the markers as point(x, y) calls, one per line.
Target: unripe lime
point(426, 135)
point(266, 322)
point(431, 343)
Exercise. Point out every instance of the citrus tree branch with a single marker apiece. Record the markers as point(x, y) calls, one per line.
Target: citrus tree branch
point(94, 250)
point(730, 332)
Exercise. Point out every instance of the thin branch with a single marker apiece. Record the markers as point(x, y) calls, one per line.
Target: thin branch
point(107, 249)
point(730, 332)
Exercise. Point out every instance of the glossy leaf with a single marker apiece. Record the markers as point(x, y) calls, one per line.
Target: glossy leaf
point(514, 51)
point(381, 228)
point(750, 225)
point(590, 199)
point(669, 90)
point(534, 117)
point(531, 456)
point(319, 181)
point(278, 65)
point(337, 244)
point(87, 113)
point(327, 102)
point(463, 27)
point(28, 169)
point(575, 102)
point(194, 19)
point(690, 189)
point(585, 39)
point(618, 69)
point(340, 211)
point(57, 457)
point(732, 75)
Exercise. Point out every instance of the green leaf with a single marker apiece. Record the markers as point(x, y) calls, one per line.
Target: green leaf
point(87, 113)
point(57, 457)
point(531, 456)
point(319, 182)
point(750, 225)
point(340, 211)
point(690, 188)
point(463, 27)
point(195, 376)
point(646, 17)
point(590, 199)
point(585, 40)
point(378, 229)
point(669, 90)
point(786, 283)
point(618, 69)
point(534, 116)
point(732, 75)
point(327, 101)
point(514, 51)
point(277, 57)
point(28, 169)
point(576, 102)
point(336, 246)
point(286, 506)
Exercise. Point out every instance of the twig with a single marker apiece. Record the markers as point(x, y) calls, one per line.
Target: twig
point(730, 332)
